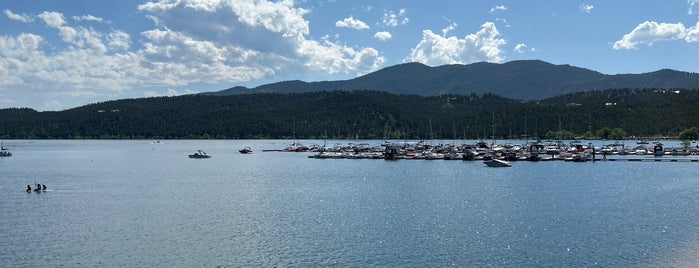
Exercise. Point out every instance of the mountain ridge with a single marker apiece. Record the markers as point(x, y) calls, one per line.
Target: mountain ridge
point(521, 79)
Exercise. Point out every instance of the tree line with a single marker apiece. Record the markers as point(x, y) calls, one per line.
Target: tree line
point(609, 114)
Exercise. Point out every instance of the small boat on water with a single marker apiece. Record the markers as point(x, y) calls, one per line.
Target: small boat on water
point(497, 163)
point(199, 154)
point(245, 150)
point(4, 151)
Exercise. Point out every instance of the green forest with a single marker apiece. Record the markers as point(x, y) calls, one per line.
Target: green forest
point(605, 114)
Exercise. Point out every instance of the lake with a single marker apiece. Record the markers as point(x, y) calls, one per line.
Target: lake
point(121, 203)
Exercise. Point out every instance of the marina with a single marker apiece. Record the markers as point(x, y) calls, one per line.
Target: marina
point(530, 151)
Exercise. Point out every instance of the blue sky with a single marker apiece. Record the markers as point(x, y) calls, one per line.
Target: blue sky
point(56, 55)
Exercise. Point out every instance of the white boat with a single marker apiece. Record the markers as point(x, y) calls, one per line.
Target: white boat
point(497, 163)
point(199, 154)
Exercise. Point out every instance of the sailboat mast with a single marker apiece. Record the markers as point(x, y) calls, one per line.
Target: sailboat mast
point(493, 127)
point(525, 129)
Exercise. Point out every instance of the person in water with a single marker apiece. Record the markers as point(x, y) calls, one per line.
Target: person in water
point(43, 187)
point(29, 188)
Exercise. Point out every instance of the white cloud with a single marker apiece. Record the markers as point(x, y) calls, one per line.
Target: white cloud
point(650, 32)
point(520, 48)
point(436, 50)
point(170, 92)
point(383, 36)
point(692, 33)
point(504, 22)
point(391, 19)
point(351, 22)
point(498, 8)
point(263, 38)
point(523, 48)
point(118, 40)
point(586, 8)
point(193, 41)
point(692, 4)
point(87, 18)
point(22, 46)
point(80, 37)
point(30, 74)
point(52, 19)
point(332, 58)
point(18, 17)
point(446, 31)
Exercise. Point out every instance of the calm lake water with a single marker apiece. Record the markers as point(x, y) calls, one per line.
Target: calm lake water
point(139, 204)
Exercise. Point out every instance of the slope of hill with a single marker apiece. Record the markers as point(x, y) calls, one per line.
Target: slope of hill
point(526, 79)
point(363, 114)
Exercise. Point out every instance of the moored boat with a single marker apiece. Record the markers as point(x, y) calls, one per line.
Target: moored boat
point(658, 149)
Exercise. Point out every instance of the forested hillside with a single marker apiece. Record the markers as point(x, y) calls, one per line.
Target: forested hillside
point(524, 79)
point(621, 113)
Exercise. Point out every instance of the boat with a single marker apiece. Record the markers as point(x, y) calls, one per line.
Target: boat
point(497, 163)
point(199, 154)
point(4, 151)
point(658, 149)
point(245, 150)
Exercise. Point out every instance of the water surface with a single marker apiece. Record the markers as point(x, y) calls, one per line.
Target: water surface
point(140, 204)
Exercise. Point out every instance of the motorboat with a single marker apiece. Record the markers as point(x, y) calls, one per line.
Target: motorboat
point(199, 154)
point(658, 149)
point(497, 163)
point(245, 150)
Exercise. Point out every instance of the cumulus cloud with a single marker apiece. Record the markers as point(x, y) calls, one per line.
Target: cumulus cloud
point(118, 40)
point(80, 37)
point(33, 74)
point(192, 41)
point(692, 34)
point(18, 17)
point(351, 22)
point(483, 45)
point(498, 8)
point(391, 19)
point(650, 32)
point(258, 38)
point(331, 57)
point(383, 36)
point(52, 19)
point(586, 8)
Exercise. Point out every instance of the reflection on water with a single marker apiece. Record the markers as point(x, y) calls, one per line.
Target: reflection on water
point(137, 203)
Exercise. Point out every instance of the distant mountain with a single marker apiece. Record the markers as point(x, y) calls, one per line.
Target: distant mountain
point(526, 79)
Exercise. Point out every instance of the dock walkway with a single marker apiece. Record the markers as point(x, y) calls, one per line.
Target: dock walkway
point(647, 160)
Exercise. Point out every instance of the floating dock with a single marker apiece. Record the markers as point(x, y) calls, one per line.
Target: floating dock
point(647, 160)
